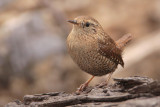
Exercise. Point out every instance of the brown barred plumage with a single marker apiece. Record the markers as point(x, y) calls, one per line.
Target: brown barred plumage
point(94, 51)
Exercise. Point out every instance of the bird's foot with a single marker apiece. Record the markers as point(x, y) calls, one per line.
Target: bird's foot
point(81, 88)
point(102, 84)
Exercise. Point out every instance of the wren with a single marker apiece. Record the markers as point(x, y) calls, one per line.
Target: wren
point(93, 50)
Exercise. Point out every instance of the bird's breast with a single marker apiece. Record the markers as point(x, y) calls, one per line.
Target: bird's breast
point(84, 52)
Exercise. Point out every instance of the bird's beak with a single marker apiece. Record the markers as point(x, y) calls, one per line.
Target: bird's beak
point(72, 21)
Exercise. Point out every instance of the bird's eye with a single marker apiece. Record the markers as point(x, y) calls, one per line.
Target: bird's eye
point(87, 24)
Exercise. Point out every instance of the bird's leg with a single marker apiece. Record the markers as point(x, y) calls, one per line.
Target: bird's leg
point(83, 86)
point(106, 82)
point(109, 76)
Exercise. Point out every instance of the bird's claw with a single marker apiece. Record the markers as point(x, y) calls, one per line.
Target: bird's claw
point(102, 84)
point(81, 88)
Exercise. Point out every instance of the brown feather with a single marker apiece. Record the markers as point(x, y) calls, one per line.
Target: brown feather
point(108, 48)
point(122, 42)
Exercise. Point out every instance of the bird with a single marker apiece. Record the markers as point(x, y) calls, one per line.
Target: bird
point(93, 50)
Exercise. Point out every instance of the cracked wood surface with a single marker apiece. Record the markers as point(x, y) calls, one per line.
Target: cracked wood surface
point(125, 92)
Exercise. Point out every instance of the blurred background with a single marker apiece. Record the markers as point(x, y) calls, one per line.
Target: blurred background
point(33, 55)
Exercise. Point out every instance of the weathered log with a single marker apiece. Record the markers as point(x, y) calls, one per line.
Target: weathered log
point(125, 92)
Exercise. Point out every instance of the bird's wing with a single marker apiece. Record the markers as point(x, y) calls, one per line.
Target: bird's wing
point(108, 48)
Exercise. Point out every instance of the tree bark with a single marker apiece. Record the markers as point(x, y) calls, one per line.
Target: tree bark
point(125, 92)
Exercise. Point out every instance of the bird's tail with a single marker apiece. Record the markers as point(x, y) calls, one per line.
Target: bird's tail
point(122, 42)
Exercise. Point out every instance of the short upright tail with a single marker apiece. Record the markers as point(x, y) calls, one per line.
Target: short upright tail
point(122, 42)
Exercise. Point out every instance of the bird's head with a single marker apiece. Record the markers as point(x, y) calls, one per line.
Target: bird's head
point(85, 25)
